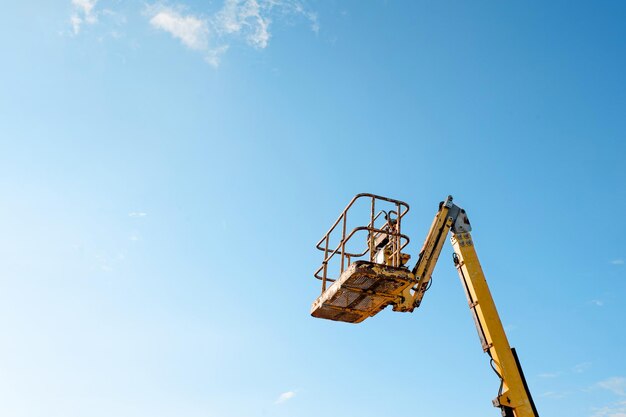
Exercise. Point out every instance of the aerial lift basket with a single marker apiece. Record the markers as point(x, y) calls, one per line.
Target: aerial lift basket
point(363, 281)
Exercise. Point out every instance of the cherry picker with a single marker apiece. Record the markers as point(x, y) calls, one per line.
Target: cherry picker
point(358, 282)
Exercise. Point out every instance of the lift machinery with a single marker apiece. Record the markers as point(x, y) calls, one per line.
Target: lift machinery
point(359, 283)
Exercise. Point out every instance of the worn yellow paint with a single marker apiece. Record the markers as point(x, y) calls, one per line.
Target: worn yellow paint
point(488, 322)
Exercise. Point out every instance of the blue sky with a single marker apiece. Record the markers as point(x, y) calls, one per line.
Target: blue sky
point(167, 167)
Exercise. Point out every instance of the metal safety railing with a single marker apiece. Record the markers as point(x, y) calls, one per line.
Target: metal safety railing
point(390, 232)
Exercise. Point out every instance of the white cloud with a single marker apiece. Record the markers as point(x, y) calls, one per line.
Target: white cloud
point(299, 9)
point(315, 24)
point(617, 262)
point(191, 30)
point(557, 395)
point(616, 385)
point(83, 12)
point(614, 410)
point(104, 262)
point(213, 56)
point(285, 396)
point(598, 303)
point(210, 32)
point(137, 214)
point(577, 369)
point(581, 367)
point(246, 17)
point(76, 23)
point(549, 375)
point(247, 20)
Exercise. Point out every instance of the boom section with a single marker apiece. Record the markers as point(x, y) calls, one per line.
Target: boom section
point(513, 398)
point(428, 256)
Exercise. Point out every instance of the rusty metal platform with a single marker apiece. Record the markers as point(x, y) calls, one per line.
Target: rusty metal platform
point(362, 290)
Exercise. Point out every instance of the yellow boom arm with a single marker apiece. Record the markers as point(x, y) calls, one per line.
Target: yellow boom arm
point(513, 398)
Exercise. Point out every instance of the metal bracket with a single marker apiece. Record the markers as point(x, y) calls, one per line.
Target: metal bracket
point(461, 221)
